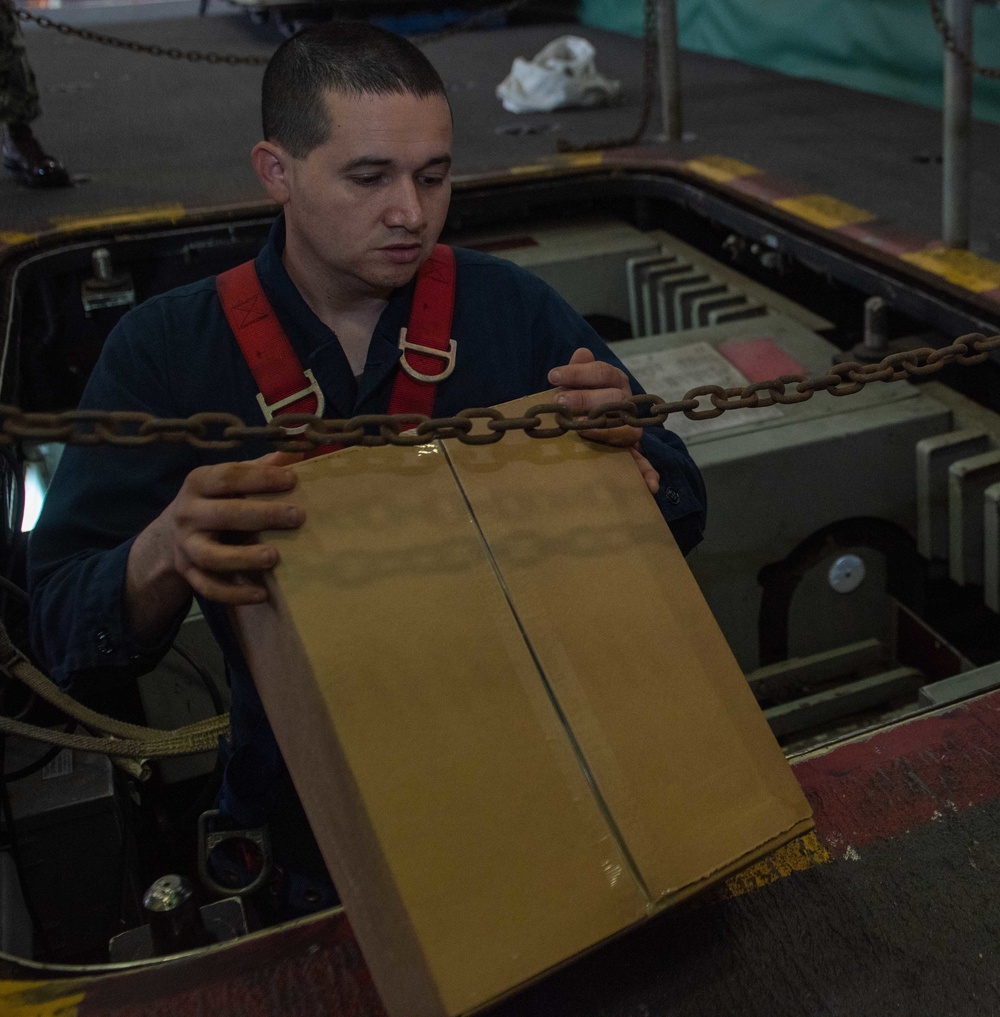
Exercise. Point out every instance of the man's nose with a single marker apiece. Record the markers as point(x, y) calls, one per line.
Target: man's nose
point(406, 209)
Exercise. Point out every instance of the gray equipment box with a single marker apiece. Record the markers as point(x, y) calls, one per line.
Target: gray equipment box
point(70, 835)
point(777, 476)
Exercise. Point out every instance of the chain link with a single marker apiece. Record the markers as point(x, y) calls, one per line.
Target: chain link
point(469, 23)
point(944, 30)
point(479, 425)
point(233, 59)
point(172, 53)
point(649, 51)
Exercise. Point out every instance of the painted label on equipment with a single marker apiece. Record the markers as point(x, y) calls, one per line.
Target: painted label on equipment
point(61, 766)
point(759, 358)
point(673, 373)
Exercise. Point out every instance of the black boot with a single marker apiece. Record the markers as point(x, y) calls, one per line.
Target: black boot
point(24, 158)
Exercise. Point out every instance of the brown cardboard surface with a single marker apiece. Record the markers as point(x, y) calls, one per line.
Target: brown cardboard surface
point(675, 743)
point(442, 787)
point(512, 720)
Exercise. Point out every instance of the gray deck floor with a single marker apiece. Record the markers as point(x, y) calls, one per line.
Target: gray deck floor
point(151, 131)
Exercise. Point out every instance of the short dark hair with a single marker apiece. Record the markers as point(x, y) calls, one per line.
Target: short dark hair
point(350, 57)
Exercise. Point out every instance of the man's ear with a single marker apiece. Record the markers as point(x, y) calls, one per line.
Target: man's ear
point(272, 164)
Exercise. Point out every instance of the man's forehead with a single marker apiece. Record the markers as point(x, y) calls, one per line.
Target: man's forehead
point(366, 104)
point(387, 128)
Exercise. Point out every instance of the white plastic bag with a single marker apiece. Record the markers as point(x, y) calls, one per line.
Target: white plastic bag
point(562, 74)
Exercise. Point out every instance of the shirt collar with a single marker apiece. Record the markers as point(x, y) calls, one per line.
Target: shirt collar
point(317, 346)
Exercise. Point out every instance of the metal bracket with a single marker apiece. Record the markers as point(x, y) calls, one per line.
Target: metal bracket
point(208, 841)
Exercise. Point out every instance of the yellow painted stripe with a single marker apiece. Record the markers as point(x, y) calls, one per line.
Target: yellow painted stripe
point(573, 160)
point(796, 856)
point(720, 168)
point(824, 211)
point(123, 217)
point(40, 999)
point(11, 238)
point(534, 167)
point(581, 159)
point(963, 268)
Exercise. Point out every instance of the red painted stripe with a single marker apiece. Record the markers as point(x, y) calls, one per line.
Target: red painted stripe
point(907, 777)
point(651, 157)
point(764, 187)
point(885, 237)
point(303, 970)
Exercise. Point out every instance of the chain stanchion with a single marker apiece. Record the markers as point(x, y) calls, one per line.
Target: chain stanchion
point(649, 72)
point(225, 431)
point(948, 36)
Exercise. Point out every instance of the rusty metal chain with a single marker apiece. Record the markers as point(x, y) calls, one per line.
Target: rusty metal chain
point(649, 51)
point(233, 59)
point(225, 431)
point(149, 49)
point(944, 30)
point(469, 23)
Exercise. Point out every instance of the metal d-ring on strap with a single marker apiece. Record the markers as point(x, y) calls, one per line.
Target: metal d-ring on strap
point(270, 409)
point(447, 355)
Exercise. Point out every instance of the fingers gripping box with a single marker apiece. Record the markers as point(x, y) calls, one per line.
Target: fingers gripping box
point(511, 718)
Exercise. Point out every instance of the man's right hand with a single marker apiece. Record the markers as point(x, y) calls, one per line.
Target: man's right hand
point(205, 540)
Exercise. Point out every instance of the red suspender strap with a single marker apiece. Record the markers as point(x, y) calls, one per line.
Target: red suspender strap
point(428, 349)
point(286, 388)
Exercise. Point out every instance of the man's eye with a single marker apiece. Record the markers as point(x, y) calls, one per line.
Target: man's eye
point(369, 180)
point(431, 181)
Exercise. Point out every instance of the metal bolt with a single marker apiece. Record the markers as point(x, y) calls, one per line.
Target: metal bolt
point(175, 922)
point(167, 894)
point(847, 573)
point(100, 260)
point(876, 333)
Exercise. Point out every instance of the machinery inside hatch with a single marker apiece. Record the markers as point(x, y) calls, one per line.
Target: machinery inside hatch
point(847, 557)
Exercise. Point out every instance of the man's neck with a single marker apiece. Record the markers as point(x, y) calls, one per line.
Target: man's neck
point(351, 314)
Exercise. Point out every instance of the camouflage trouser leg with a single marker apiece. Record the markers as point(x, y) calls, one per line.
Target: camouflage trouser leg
point(18, 91)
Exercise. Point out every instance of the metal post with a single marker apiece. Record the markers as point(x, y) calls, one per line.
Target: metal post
point(670, 70)
point(957, 126)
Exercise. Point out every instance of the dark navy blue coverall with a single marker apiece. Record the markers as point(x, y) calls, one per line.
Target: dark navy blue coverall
point(174, 356)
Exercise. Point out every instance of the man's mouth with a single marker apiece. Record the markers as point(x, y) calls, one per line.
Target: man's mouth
point(402, 253)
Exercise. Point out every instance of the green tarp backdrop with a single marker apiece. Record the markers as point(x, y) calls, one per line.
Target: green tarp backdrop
point(885, 46)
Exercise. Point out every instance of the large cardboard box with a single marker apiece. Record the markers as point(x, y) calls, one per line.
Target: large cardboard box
point(512, 720)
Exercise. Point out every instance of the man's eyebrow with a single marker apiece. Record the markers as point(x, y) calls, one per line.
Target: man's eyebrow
point(376, 162)
point(364, 162)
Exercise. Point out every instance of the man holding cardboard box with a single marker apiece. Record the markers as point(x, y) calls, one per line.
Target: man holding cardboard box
point(357, 151)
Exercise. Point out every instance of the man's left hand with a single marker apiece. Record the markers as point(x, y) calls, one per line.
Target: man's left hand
point(586, 382)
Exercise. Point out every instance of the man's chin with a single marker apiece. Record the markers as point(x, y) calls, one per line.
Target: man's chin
point(392, 277)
